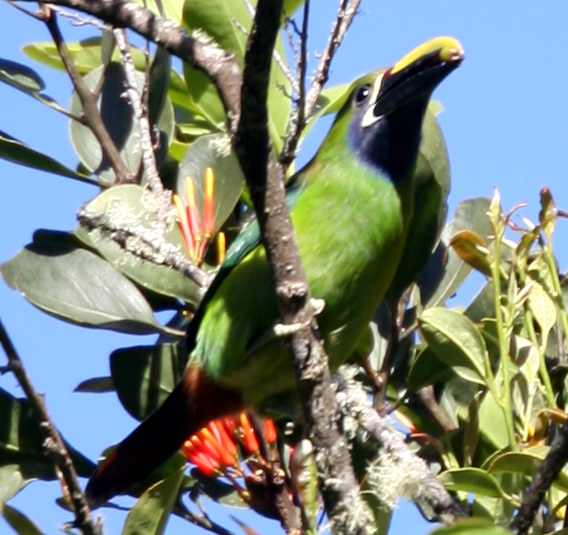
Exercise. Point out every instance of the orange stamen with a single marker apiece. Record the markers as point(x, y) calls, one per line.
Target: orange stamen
point(193, 215)
point(250, 441)
point(270, 431)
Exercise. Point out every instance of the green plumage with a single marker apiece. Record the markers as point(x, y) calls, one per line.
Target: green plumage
point(351, 218)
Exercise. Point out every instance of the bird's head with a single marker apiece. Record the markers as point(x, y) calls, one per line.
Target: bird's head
point(383, 115)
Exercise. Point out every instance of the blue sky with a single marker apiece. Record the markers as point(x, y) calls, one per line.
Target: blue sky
point(505, 122)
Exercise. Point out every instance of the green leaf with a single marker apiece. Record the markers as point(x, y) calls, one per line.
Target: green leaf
point(150, 514)
point(474, 480)
point(472, 526)
point(212, 151)
point(118, 117)
point(446, 270)
point(86, 54)
point(456, 341)
point(227, 23)
point(96, 384)
point(144, 376)
point(26, 80)
point(543, 309)
point(78, 286)
point(21, 447)
point(19, 522)
point(527, 463)
point(159, 83)
point(20, 76)
point(216, 489)
point(427, 369)
point(12, 480)
point(15, 151)
point(129, 210)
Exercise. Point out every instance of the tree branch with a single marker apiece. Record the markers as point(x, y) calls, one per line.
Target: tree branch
point(220, 66)
point(265, 181)
point(401, 473)
point(542, 481)
point(54, 447)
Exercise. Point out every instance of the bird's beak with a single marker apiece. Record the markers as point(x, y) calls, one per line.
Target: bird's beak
point(416, 75)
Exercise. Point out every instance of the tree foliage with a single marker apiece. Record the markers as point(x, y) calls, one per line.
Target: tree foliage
point(480, 391)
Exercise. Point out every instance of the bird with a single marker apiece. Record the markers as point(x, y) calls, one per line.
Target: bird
point(353, 204)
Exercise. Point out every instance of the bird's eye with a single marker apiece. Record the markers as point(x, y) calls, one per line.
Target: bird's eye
point(362, 94)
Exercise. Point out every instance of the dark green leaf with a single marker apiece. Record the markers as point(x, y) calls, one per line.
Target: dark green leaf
point(119, 119)
point(159, 84)
point(21, 444)
point(20, 76)
point(15, 151)
point(150, 514)
point(445, 269)
point(96, 384)
point(428, 369)
point(217, 490)
point(19, 522)
point(78, 286)
point(144, 376)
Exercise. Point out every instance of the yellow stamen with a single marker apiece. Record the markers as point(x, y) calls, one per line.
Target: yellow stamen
point(221, 248)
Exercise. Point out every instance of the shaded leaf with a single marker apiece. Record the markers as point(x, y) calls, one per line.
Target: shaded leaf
point(445, 268)
point(427, 369)
point(150, 514)
point(78, 286)
point(23, 78)
point(15, 151)
point(130, 210)
point(456, 341)
point(21, 447)
point(144, 376)
point(96, 384)
point(217, 490)
point(19, 522)
point(118, 117)
point(212, 151)
point(527, 463)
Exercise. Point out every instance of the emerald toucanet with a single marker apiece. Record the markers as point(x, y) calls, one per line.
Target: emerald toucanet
point(351, 218)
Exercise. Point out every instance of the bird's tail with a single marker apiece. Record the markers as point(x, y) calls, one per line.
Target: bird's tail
point(194, 402)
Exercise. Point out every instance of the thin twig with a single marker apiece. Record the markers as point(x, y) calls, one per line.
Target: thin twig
point(298, 117)
point(54, 447)
point(542, 481)
point(345, 16)
point(91, 113)
point(220, 66)
point(140, 114)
